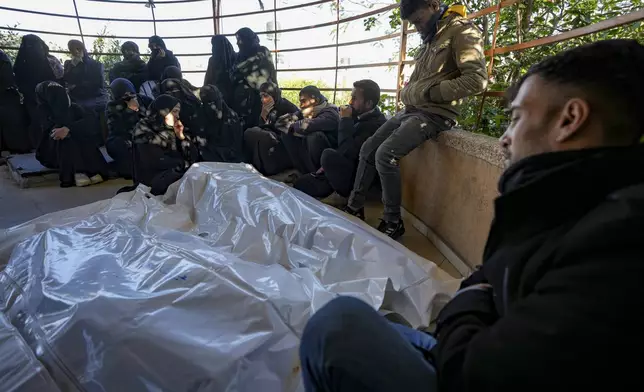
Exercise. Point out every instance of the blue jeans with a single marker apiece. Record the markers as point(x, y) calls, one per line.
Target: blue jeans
point(348, 346)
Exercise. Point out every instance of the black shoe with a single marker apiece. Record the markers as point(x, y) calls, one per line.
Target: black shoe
point(393, 230)
point(358, 214)
point(67, 184)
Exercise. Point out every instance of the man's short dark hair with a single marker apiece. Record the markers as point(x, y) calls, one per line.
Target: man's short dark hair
point(408, 7)
point(370, 90)
point(609, 75)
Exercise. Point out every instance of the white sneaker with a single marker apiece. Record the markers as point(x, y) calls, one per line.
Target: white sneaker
point(82, 180)
point(97, 179)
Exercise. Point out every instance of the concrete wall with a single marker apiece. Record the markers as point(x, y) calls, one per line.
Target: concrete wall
point(450, 186)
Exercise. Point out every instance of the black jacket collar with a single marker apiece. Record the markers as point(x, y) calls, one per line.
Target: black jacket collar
point(548, 188)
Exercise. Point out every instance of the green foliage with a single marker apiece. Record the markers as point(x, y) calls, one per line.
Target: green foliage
point(387, 104)
point(10, 39)
point(293, 95)
point(103, 45)
point(526, 21)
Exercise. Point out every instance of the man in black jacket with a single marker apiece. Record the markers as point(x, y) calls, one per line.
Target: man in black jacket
point(359, 121)
point(557, 302)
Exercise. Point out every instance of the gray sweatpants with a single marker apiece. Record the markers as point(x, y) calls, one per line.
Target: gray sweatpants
point(382, 152)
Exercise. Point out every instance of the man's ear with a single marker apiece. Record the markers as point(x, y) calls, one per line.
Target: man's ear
point(572, 119)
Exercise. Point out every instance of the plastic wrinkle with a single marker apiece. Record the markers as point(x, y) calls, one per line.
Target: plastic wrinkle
point(207, 288)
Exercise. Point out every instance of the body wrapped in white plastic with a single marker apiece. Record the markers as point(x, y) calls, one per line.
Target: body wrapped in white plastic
point(207, 288)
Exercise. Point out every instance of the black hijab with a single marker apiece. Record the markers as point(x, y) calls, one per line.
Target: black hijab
point(221, 66)
point(223, 128)
point(129, 45)
point(180, 91)
point(32, 66)
point(248, 43)
point(7, 79)
point(156, 64)
point(54, 103)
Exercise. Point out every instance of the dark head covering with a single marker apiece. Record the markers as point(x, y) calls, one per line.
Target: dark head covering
point(223, 54)
point(179, 90)
point(131, 46)
point(271, 89)
point(172, 72)
point(161, 106)
point(54, 102)
point(313, 92)
point(223, 128)
point(32, 66)
point(213, 99)
point(120, 86)
point(7, 79)
point(155, 39)
point(248, 43)
point(74, 43)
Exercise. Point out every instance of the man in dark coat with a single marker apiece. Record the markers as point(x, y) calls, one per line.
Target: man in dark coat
point(264, 146)
point(160, 59)
point(310, 131)
point(557, 302)
point(359, 121)
point(132, 68)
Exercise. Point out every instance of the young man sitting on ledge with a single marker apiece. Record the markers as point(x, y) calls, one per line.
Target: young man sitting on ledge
point(557, 304)
point(450, 67)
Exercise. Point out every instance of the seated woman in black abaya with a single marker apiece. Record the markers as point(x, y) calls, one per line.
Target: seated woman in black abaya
point(223, 130)
point(34, 65)
point(13, 117)
point(191, 113)
point(66, 143)
point(163, 152)
point(263, 144)
point(132, 68)
point(253, 67)
point(124, 111)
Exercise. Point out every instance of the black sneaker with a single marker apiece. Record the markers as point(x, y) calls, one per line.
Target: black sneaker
point(393, 230)
point(358, 214)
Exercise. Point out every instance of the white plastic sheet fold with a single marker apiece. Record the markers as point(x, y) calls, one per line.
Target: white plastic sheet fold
point(206, 289)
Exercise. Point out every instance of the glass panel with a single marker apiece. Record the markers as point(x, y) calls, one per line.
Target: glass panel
point(305, 16)
point(179, 29)
point(27, 21)
point(307, 59)
point(229, 7)
point(290, 3)
point(369, 53)
point(189, 10)
point(196, 78)
point(351, 8)
point(130, 29)
point(107, 10)
point(57, 7)
point(194, 63)
point(384, 76)
point(257, 23)
point(188, 45)
point(356, 30)
point(301, 39)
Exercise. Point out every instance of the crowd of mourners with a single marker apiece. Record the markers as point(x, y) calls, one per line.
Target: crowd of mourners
point(555, 304)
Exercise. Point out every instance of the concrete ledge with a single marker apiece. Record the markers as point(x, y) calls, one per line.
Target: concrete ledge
point(474, 144)
point(449, 186)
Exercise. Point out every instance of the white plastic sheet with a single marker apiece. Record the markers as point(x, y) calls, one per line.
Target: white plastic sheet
point(205, 289)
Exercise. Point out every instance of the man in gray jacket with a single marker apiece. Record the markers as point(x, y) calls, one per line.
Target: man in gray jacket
point(450, 67)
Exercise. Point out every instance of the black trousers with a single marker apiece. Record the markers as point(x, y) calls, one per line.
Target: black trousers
point(265, 150)
point(14, 136)
point(160, 183)
point(121, 151)
point(306, 152)
point(339, 174)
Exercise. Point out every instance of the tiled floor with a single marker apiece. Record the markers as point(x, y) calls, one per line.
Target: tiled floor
point(20, 205)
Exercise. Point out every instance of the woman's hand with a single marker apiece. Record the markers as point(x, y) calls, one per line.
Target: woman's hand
point(59, 133)
point(178, 130)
